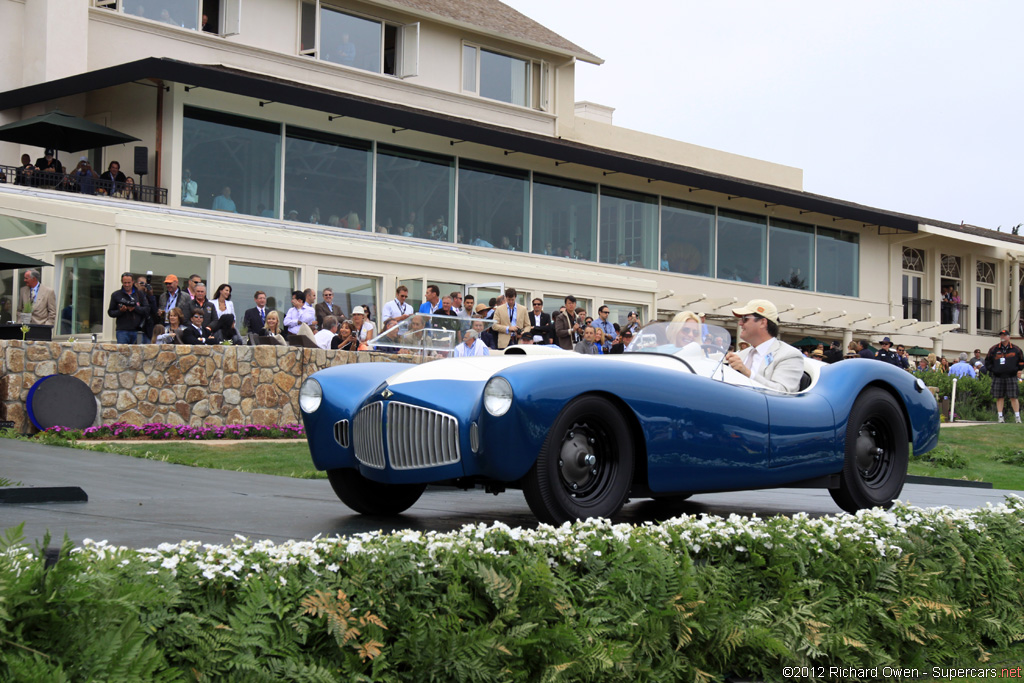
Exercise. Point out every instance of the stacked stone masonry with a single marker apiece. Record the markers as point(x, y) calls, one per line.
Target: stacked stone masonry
point(197, 385)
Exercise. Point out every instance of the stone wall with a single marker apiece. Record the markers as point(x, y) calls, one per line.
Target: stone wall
point(212, 385)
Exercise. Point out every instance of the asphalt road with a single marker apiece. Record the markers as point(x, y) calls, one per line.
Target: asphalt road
point(141, 503)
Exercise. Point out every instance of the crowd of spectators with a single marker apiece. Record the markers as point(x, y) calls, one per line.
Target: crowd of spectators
point(189, 316)
point(49, 172)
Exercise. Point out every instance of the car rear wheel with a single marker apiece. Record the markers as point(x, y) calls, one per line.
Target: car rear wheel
point(585, 467)
point(877, 453)
point(371, 497)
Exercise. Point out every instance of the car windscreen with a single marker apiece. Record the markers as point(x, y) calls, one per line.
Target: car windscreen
point(427, 334)
point(688, 339)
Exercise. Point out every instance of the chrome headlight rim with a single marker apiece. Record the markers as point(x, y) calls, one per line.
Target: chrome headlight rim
point(311, 396)
point(497, 396)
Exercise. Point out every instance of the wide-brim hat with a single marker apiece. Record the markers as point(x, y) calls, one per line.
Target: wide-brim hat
point(358, 310)
point(761, 307)
point(886, 340)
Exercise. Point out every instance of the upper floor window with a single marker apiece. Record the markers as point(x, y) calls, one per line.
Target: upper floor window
point(359, 42)
point(950, 267)
point(503, 77)
point(986, 272)
point(221, 17)
point(913, 259)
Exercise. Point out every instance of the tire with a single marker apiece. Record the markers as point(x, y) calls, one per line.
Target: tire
point(562, 486)
point(369, 497)
point(877, 453)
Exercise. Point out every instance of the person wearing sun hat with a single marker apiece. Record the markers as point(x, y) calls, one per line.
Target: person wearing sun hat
point(769, 362)
point(1005, 362)
point(887, 354)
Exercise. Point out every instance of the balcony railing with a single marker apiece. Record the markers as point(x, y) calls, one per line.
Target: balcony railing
point(989, 320)
point(918, 309)
point(954, 314)
point(67, 182)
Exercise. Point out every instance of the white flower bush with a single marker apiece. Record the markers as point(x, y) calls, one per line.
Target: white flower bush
point(873, 532)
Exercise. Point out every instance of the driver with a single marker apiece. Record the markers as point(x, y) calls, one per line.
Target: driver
point(685, 332)
point(769, 362)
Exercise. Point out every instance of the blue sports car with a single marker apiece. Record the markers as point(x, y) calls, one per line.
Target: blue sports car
point(581, 434)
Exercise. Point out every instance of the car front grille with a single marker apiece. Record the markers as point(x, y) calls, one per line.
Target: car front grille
point(367, 436)
point(417, 437)
point(420, 437)
point(341, 433)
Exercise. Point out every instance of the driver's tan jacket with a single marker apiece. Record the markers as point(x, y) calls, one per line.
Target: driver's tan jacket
point(782, 368)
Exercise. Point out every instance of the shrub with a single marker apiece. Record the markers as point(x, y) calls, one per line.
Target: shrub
point(973, 396)
point(944, 456)
point(1010, 456)
point(690, 599)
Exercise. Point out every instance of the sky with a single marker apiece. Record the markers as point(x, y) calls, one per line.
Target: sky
point(911, 106)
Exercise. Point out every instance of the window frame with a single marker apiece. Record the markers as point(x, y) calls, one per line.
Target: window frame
point(406, 58)
point(538, 78)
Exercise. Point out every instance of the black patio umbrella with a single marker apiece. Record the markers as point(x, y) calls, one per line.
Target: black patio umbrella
point(12, 259)
point(63, 132)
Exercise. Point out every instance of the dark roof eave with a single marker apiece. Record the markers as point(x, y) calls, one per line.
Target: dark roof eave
point(262, 87)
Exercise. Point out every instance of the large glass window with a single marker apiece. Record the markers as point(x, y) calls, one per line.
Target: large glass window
point(415, 286)
point(350, 40)
point(564, 218)
point(246, 280)
point(791, 261)
point(234, 161)
point(351, 291)
point(838, 267)
point(493, 206)
point(687, 238)
point(7, 294)
point(326, 179)
point(183, 13)
point(629, 228)
point(159, 265)
point(617, 313)
point(741, 250)
point(19, 227)
point(82, 305)
point(415, 193)
point(501, 77)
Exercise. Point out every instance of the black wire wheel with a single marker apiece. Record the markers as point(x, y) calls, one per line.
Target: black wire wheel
point(585, 466)
point(877, 453)
point(369, 497)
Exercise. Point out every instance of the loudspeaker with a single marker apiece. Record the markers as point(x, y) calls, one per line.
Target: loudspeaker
point(141, 161)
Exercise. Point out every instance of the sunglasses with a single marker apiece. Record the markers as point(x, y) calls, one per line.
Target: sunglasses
point(687, 332)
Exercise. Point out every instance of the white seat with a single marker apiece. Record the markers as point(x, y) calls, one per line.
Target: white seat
point(813, 369)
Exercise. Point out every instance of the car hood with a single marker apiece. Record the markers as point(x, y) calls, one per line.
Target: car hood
point(473, 369)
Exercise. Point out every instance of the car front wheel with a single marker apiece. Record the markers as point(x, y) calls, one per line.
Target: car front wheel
point(585, 467)
point(371, 497)
point(877, 453)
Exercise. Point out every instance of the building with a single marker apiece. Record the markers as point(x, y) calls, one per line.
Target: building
point(360, 145)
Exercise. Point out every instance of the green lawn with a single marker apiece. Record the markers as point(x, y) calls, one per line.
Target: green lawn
point(979, 446)
point(281, 459)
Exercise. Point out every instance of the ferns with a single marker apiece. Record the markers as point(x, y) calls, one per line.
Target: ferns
point(612, 607)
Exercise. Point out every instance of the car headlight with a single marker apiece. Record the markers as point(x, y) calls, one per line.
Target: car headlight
point(920, 385)
point(310, 396)
point(497, 396)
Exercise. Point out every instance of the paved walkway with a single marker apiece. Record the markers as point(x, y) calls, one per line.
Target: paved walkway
point(139, 503)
